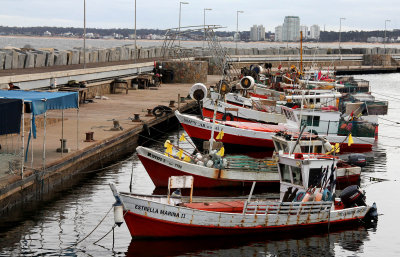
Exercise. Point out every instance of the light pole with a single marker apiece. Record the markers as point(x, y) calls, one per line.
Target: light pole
point(179, 29)
point(384, 39)
point(237, 29)
point(340, 32)
point(205, 9)
point(134, 58)
point(84, 34)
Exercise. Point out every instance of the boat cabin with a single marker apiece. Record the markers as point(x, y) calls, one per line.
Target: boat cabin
point(308, 143)
point(303, 171)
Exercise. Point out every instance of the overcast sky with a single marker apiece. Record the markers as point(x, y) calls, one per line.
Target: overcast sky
point(162, 14)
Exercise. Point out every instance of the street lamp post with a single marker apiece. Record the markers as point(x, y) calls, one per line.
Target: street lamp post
point(205, 9)
point(179, 29)
point(340, 32)
point(134, 57)
point(84, 34)
point(237, 28)
point(384, 39)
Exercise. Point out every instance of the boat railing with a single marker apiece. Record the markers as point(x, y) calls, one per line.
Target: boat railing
point(288, 208)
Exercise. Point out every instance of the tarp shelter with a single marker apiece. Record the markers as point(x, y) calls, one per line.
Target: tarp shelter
point(10, 116)
point(40, 102)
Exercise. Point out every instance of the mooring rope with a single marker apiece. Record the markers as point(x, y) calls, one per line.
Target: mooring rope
point(80, 241)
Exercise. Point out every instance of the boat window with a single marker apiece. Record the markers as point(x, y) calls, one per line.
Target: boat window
point(285, 173)
point(296, 174)
point(305, 148)
point(314, 177)
point(311, 120)
point(318, 149)
point(278, 146)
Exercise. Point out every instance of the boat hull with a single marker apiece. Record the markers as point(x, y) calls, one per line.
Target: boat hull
point(149, 216)
point(145, 227)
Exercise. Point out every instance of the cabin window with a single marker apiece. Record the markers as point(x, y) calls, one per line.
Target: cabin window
point(278, 146)
point(314, 177)
point(296, 175)
point(305, 149)
point(312, 120)
point(285, 173)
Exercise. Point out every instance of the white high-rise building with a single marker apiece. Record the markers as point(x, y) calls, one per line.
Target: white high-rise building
point(257, 33)
point(278, 33)
point(253, 33)
point(291, 28)
point(261, 33)
point(315, 32)
point(304, 29)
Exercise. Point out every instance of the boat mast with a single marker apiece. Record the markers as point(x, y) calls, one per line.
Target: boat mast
point(301, 53)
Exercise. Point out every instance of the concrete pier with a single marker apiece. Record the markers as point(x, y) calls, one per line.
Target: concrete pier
point(109, 144)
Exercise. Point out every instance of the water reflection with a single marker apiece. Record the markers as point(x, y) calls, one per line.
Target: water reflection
point(276, 245)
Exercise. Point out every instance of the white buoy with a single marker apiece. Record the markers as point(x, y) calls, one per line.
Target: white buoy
point(118, 214)
point(224, 162)
point(200, 163)
point(328, 147)
point(199, 156)
point(210, 163)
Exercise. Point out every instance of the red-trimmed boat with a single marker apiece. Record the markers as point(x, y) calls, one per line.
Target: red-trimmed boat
point(312, 207)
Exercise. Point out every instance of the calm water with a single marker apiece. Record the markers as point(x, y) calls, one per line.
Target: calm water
point(54, 227)
point(69, 43)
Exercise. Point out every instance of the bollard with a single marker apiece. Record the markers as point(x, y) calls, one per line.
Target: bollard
point(149, 113)
point(171, 103)
point(63, 147)
point(136, 117)
point(89, 136)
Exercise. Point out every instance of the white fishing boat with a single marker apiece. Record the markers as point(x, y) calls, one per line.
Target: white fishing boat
point(177, 216)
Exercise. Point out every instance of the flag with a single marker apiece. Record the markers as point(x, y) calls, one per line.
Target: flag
point(186, 159)
point(221, 152)
point(182, 138)
point(168, 147)
point(350, 141)
point(179, 154)
point(220, 135)
point(337, 148)
point(319, 75)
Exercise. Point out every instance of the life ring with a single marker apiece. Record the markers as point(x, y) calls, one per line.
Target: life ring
point(226, 115)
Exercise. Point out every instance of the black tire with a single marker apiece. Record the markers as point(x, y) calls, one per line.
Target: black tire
point(226, 115)
point(158, 111)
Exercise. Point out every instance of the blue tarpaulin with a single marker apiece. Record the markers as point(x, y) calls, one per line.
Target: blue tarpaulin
point(43, 101)
point(10, 116)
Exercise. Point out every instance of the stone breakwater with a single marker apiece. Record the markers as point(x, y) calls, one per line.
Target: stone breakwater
point(31, 58)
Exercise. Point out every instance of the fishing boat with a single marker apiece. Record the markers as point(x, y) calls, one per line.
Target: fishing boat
point(173, 215)
point(209, 170)
point(313, 145)
point(257, 136)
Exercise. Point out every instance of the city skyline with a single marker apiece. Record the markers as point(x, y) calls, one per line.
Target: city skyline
point(159, 14)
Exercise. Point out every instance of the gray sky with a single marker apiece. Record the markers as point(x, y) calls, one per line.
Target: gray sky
point(162, 14)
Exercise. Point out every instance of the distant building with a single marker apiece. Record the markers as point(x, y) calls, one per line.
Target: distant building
point(236, 36)
point(291, 28)
point(47, 33)
point(315, 32)
point(304, 29)
point(257, 33)
point(375, 40)
point(278, 33)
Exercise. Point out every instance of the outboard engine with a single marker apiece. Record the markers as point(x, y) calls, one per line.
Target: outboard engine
point(357, 159)
point(352, 196)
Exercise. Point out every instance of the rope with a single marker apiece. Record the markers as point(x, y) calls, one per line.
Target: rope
point(80, 241)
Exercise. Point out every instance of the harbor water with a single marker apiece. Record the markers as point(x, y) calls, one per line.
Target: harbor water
point(62, 226)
